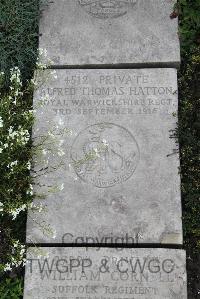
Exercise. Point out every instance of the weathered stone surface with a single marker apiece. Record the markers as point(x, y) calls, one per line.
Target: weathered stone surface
point(118, 174)
point(106, 273)
point(79, 32)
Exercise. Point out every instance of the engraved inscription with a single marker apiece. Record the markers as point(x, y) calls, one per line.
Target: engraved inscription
point(104, 275)
point(107, 95)
point(106, 9)
point(105, 154)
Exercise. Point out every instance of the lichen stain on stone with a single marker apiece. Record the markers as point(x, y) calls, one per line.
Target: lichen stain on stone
point(171, 238)
point(119, 205)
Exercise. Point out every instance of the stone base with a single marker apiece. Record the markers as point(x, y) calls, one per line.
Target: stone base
point(105, 273)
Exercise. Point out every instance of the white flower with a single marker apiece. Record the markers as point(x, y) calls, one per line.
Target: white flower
point(1, 207)
point(41, 66)
point(5, 145)
point(39, 207)
point(42, 52)
point(54, 74)
point(61, 187)
point(21, 136)
point(46, 162)
point(7, 267)
point(10, 165)
point(13, 163)
point(10, 130)
point(104, 142)
point(1, 150)
point(61, 152)
point(42, 56)
point(16, 243)
point(15, 212)
point(18, 93)
point(70, 132)
point(24, 262)
point(15, 77)
point(28, 165)
point(12, 134)
point(61, 142)
point(22, 251)
point(44, 152)
point(32, 111)
point(51, 134)
point(60, 122)
point(54, 234)
point(30, 190)
point(33, 81)
point(96, 152)
point(15, 101)
point(1, 122)
point(23, 207)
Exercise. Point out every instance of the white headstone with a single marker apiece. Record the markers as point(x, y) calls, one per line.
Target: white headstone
point(85, 32)
point(118, 177)
point(105, 273)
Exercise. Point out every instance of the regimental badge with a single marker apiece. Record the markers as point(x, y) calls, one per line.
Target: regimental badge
point(105, 155)
point(107, 9)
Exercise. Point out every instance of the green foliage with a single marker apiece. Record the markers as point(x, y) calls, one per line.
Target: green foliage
point(15, 145)
point(16, 153)
point(189, 26)
point(16, 120)
point(189, 126)
point(188, 132)
point(11, 289)
point(18, 35)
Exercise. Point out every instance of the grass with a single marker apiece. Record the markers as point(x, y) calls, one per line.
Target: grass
point(18, 47)
point(11, 288)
